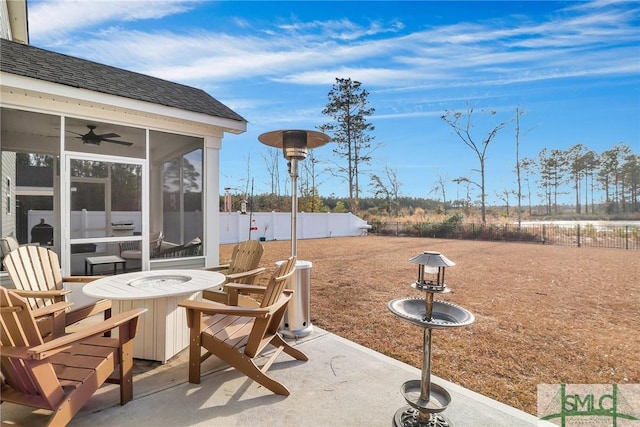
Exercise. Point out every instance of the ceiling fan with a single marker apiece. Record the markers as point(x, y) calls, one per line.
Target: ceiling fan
point(94, 139)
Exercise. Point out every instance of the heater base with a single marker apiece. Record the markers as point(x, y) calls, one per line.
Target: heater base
point(298, 333)
point(410, 417)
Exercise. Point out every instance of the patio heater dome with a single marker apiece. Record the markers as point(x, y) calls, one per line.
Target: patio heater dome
point(294, 143)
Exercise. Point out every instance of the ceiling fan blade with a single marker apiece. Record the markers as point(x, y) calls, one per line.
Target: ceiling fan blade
point(115, 141)
point(108, 135)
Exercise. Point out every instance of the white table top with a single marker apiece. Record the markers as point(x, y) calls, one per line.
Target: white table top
point(127, 286)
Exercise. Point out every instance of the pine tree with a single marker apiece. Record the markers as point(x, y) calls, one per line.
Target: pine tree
point(348, 108)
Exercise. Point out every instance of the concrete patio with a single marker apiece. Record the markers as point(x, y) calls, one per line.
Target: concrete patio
point(343, 383)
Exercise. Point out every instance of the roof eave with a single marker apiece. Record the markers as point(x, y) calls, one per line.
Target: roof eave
point(27, 84)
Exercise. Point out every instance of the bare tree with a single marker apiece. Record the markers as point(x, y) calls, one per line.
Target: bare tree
point(504, 196)
point(387, 187)
point(248, 178)
point(527, 166)
point(466, 181)
point(309, 183)
point(272, 162)
point(440, 187)
point(461, 124)
point(519, 165)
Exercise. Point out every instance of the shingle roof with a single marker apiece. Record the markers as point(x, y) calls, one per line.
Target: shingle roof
point(29, 61)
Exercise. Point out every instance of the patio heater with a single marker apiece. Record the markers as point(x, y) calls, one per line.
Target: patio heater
point(426, 399)
point(294, 144)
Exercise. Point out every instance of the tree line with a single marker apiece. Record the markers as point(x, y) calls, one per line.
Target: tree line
point(554, 172)
point(615, 171)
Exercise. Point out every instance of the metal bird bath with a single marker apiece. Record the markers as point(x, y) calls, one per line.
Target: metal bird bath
point(426, 399)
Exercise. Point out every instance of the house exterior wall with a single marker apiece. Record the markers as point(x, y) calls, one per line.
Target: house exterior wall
point(5, 28)
point(8, 204)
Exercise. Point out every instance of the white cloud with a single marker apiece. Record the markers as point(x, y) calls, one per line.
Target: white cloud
point(342, 29)
point(58, 17)
point(367, 75)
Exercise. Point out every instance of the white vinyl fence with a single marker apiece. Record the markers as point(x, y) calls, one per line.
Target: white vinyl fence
point(234, 227)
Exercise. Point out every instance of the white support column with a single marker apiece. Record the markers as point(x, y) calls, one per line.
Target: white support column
point(64, 207)
point(211, 195)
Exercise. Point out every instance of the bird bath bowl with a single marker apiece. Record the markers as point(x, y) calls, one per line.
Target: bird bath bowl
point(444, 314)
point(160, 280)
point(439, 398)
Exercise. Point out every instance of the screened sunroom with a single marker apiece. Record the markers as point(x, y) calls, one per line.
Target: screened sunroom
point(102, 161)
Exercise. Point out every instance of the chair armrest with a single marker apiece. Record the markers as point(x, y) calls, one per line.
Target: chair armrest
point(50, 309)
point(56, 293)
point(211, 307)
point(234, 290)
point(43, 351)
point(217, 267)
point(251, 273)
point(245, 289)
point(80, 279)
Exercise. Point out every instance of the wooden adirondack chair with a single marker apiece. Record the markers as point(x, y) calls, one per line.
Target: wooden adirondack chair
point(8, 244)
point(62, 374)
point(35, 273)
point(238, 335)
point(243, 268)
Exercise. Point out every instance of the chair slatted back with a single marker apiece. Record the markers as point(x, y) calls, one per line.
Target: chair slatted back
point(245, 256)
point(265, 328)
point(34, 268)
point(278, 282)
point(19, 329)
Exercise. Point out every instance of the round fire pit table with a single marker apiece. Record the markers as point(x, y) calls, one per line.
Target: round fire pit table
point(163, 331)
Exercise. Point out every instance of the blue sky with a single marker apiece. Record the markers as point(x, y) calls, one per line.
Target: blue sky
point(572, 67)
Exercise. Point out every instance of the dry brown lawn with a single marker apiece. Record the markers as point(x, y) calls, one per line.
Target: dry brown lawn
point(544, 314)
